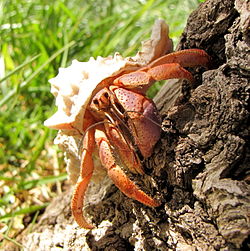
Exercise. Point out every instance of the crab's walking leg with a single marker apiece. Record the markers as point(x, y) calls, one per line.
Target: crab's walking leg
point(169, 71)
point(115, 172)
point(166, 67)
point(144, 79)
point(186, 58)
point(86, 170)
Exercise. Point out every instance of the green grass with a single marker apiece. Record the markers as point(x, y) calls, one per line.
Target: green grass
point(38, 37)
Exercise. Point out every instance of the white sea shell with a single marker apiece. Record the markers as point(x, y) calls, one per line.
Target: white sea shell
point(74, 86)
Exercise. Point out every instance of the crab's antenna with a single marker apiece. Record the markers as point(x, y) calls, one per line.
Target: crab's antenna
point(88, 128)
point(118, 114)
point(125, 113)
point(114, 112)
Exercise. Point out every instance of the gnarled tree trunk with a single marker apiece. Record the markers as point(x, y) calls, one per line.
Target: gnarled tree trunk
point(200, 167)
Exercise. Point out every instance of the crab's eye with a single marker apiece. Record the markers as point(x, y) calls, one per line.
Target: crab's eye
point(106, 95)
point(95, 101)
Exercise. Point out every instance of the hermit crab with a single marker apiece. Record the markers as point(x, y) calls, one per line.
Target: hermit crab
point(102, 104)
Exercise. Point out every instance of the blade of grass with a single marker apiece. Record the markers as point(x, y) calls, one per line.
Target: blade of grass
point(3, 178)
point(26, 210)
point(66, 52)
point(109, 42)
point(33, 221)
point(78, 21)
point(18, 68)
point(42, 181)
point(13, 241)
point(35, 73)
point(38, 148)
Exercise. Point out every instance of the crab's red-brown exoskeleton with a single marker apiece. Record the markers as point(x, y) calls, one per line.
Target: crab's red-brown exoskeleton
point(121, 121)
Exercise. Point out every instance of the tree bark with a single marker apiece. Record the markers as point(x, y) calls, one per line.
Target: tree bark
point(200, 166)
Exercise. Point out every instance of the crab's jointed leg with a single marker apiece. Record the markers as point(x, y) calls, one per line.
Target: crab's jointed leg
point(166, 67)
point(125, 149)
point(186, 58)
point(115, 172)
point(86, 171)
point(169, 71)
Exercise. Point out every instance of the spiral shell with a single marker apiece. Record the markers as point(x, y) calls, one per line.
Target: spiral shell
point(74, 86)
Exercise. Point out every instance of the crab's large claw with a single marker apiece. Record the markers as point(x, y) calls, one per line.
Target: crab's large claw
point(86, 171)
point(143, 119)
point(115, 172)
point(166, 67)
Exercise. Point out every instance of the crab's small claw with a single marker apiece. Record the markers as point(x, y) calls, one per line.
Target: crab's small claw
point(86, 171)
point(115, 172)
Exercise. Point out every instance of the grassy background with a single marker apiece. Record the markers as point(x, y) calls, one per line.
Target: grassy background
point(36, 38)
